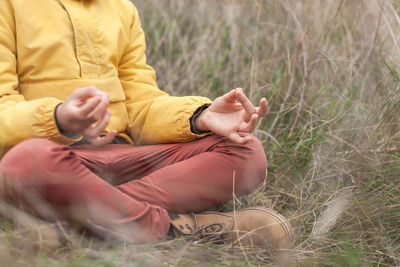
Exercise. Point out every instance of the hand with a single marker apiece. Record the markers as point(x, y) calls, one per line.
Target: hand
point(230, 118)
point(79, 114)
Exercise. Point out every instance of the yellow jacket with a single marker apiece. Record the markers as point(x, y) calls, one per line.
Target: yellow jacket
point(49, 48)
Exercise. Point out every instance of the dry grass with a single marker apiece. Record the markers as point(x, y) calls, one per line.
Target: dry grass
point(329, 69)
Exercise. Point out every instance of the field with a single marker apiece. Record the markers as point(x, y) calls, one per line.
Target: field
point(330, 72)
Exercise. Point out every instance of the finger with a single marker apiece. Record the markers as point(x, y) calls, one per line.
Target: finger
point(246, 103)
point(89, 106)
point(86, 92)
point(246, 116)
point(97, 130)
point(262, 110)
point(237, 138)
point(103, 140)
point(251, 125)
point(99, 110)
point(232, 95)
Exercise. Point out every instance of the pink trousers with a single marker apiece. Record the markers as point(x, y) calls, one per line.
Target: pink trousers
point(128, 190)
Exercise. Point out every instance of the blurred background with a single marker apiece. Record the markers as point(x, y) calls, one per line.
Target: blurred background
point(330, 71)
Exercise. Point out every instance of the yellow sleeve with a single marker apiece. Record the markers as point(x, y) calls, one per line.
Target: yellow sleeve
point(20, 119)
point(154, 116)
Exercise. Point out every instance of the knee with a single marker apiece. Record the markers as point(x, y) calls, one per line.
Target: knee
point(27, 157)
point(252, 166)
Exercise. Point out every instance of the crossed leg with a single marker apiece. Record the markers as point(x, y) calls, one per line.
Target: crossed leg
point(125, 188)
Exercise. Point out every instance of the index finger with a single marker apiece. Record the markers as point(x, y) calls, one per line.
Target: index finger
point(90, 105)
point(231, 96)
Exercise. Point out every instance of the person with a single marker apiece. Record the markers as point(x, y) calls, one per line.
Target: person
point(88, 137)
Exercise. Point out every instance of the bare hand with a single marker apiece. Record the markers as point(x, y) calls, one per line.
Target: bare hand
point(228, 117)
point(85, 112)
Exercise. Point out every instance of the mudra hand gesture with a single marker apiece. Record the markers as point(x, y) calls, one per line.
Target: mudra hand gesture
point(77, 115)
point(228, 117)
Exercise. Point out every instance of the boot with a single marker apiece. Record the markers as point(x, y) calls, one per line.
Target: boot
point(42, 236)
point(254, 227)
point(33, 233)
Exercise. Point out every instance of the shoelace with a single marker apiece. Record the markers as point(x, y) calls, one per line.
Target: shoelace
point(206, 233)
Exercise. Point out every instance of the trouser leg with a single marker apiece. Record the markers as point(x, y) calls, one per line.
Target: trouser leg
point(185, 177)
point(150, 180)
point(50, 180)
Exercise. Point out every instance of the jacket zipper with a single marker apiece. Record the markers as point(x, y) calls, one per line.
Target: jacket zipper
point(74, 35)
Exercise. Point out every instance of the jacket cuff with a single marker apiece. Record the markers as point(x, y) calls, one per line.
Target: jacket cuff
point(197, 105)
point(193, 119)
point(49, 129)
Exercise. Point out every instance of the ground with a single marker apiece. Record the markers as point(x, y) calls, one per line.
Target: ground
point(329, 70)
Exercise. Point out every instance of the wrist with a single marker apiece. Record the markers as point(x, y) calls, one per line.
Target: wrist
point(200, 122)
point(198, 127)
point(57, 119)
